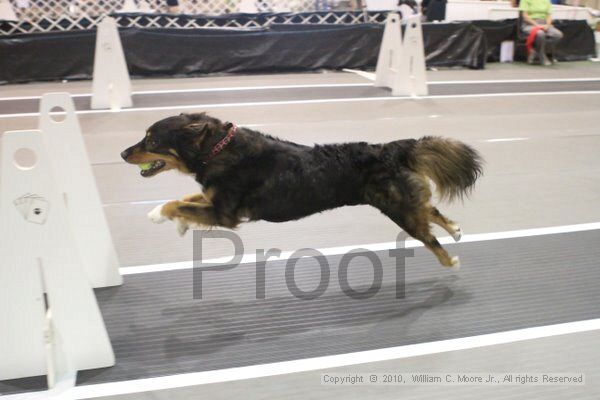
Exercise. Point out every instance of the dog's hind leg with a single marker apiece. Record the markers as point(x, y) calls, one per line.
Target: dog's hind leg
point(410, 210)
point(446, 223)
point(417, 226)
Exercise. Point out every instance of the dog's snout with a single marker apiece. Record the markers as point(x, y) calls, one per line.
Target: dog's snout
point(125, 154)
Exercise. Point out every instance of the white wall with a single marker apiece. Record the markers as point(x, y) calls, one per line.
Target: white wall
point(465, 10)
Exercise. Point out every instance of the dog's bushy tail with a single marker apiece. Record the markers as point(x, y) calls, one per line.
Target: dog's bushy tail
point(452, 165)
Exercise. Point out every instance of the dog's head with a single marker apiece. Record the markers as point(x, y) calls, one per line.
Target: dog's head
point(173, 143)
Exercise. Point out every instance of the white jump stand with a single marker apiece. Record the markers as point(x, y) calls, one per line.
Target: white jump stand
point(129, 6)
point(6, 11)
point(51, 222)
point(63, 331)
point(111, 88)
point(401, 61)
point(145, 7)
point(64, 141)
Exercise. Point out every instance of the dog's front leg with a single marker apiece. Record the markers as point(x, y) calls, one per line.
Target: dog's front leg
point(196, 198)
point(188, 214)
point(185, 214)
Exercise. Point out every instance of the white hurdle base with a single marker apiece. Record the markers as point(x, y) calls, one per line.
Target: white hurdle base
point(111, 88)
point(62, 332)
point(401, 61)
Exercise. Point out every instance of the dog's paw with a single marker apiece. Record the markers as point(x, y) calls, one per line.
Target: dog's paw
point(182, 226)
point(457, 235)
point(455, 264)
point(156, 215)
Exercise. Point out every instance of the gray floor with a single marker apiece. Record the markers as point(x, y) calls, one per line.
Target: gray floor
point(578, 352)
point(493, 71)
point(157, 327)
point(548, 177)
point(227, 96)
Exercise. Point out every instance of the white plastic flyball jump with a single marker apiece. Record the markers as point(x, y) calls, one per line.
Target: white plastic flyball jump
point(39, 255)
point(129, 6)
point(145, 7)
point(401, 61)
point(111, 88)
point(64, 141)
point(51, 323)
point(6, 11)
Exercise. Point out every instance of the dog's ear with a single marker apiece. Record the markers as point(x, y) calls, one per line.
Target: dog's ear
point(199, 131)
point(199, 127)
point(196, 123)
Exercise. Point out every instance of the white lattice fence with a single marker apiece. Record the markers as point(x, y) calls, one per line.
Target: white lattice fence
point(39, 9)
point(66, 15)
point(44, 9)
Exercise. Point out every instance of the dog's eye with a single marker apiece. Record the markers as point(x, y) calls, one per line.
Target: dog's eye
point(151, 143)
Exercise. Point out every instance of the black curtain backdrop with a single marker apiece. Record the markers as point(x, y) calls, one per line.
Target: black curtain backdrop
point(279, 48)
point(578, 43)
point(495, 33)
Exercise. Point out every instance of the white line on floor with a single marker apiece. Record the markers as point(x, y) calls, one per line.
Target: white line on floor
point(372, 76)
point(217, 89)
point(550, 80)
point(311, 364)
point(478, 237)
point(365, 74)
point(506, 139)
point(316, 86)
point(315, 101)
point(247, 88)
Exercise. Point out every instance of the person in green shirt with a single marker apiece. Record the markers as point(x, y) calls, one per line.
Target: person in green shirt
point(539, 13)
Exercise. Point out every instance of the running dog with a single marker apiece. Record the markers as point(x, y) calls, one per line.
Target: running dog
point(248, 176)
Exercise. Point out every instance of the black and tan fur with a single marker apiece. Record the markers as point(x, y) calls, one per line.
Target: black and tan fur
point(260, 177)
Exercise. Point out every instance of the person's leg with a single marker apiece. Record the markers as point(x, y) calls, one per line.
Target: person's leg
point(526, 29)
point(540, 45)
point(553, 36)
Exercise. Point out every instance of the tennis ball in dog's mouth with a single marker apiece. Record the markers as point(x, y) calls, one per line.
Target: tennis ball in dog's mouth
point(145, 166)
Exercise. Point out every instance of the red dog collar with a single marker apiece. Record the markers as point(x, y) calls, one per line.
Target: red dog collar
point(222, 143)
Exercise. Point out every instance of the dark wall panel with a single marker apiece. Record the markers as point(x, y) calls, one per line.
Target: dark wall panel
point(279, 48)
